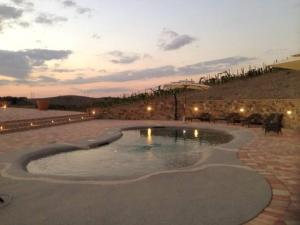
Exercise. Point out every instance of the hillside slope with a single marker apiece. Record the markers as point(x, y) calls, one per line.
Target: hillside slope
point(276, 85)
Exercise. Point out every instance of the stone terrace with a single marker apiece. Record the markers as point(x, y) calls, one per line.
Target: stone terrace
point(275, 157)
point(24, 114)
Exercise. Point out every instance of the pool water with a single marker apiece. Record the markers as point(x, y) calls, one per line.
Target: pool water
point(137, 153)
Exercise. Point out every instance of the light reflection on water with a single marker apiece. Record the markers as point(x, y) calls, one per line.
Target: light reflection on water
point(137, 153)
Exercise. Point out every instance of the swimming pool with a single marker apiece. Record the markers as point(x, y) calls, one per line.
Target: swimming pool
point(138, 152)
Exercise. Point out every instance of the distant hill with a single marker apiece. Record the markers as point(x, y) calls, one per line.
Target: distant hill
point(71, 102)
point(77, 103)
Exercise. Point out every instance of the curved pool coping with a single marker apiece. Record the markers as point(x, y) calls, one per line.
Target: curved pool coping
point(17, 169)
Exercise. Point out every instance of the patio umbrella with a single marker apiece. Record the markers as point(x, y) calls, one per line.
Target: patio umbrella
point(184, 85)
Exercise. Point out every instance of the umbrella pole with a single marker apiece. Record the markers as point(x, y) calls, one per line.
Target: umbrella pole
point(175, 106)
point(184, 105)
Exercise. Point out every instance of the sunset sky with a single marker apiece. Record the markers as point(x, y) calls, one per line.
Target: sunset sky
point(109, 47)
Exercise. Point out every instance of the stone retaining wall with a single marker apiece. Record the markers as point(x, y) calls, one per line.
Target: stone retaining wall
point(163, 109)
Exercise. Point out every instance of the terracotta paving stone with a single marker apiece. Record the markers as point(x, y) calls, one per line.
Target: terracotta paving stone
point(277, 158)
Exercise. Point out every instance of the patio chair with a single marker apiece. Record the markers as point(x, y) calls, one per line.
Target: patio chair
point(273, 123)
point(253, 119)
point(234, 118)
point(206, 117)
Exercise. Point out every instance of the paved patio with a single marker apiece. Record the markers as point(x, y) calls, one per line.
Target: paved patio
point(23, 114)
point(275, 157)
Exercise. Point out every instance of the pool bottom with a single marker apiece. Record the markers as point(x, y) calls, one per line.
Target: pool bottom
point(136, 153)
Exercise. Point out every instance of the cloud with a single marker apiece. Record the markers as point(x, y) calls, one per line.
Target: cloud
point(39, 56)
point(24, 24)
point(120, 57)
point(106, 90)
point(19, 64)
point(24, 3)
point(18, 2)
point(73, 4)
point(8, 15)
point(14, 64)
point(49, 19)
point(165, 71)
point(8, 12)
point(213, 65)
point(41, 80)
point(96, 36)
point(69, 3)
point(145, 74)
point(277, 51)
point(63, 71)
point(170, 40)
point(81, 10)
point(46, 79)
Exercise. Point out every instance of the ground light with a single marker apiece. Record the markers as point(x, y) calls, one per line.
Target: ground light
point(196, 133)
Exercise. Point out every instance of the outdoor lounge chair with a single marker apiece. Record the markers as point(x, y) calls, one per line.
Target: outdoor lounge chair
point(206, 117)
point(273, 123)
point(202, 117)
point(233, 118)
point(253, 119)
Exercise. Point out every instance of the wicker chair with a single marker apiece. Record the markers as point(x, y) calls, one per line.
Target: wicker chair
point(234, 118)
point(206, 117)
point(273, 123)
point(253, 119)
point(202, 117)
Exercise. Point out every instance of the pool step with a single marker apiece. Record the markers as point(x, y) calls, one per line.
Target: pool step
point(28, 124)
